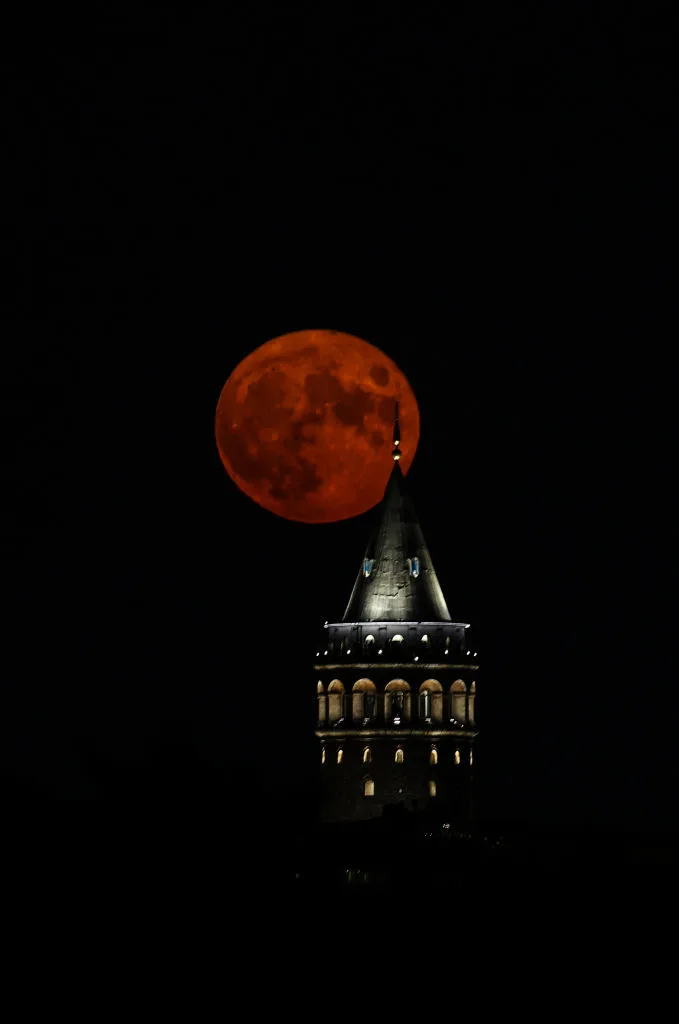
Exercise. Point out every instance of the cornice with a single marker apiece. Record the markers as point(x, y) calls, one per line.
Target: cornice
point(402, 666)
point(329, 734)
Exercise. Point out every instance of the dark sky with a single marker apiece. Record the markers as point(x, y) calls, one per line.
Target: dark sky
point(484, 196)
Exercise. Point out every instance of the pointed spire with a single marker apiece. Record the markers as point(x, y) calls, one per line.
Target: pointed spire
point(396, 452)
point(397, 581)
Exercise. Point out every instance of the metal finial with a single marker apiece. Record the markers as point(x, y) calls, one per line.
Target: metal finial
point(396, 452)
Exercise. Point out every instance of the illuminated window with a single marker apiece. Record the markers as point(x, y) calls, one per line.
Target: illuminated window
point(431, 700)
point(414, 567)
point(368, 566)
point(369, 788)
point(471, 757)
point(340, 755)
point(370, 639)
point(335, 701)
point(425, 639)
point(363, 701)
point(396, 701)
point(367, 755)
point(322, 755)
point(397, 638)
point(434, 756)
point(458, 701)
point(432, 788)
point(457, 757)
point(398, 756)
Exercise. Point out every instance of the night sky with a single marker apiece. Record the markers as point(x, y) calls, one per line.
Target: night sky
point(484, 197)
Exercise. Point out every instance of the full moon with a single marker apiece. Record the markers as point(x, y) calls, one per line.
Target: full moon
point(304, 425)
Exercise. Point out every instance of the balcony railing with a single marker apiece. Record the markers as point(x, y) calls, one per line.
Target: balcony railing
point(395, 709)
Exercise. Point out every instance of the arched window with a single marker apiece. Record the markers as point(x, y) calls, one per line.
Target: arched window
point(431, 701)
point(458, 701)
point(433, 756)
point(432, 788)
point(414, 566)
point(340, 755)
point(368, 788)
point(397, 701)
point(370, 639)
point(457, 757)
point(398, 756)
point(363, 700)
point(322, 755)
point(397, 638)
point(319, 687)
point(367, 755)
point(425, 638)
point(336, 701)
point(368, 566)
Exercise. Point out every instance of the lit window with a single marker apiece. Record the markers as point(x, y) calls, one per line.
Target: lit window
point(367, 755)
point(369, 788)
point(432, 788)
point(322, 755)
point(457, 757)
point(425, 639)
point(414, 567)
point(397, 638)
point(370, 639)
point(340, 755)
point(398, 756)
point(434, 756)
point(471, 757)
point(368, 566)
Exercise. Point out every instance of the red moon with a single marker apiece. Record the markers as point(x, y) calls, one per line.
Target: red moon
point(304, 425)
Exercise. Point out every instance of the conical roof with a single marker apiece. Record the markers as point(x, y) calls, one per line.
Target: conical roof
point(396, 581)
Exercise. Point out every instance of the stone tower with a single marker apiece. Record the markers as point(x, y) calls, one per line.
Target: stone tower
point(396, 681)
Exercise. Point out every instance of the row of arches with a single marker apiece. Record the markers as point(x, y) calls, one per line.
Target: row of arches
point(396, 702)
point(399, 755)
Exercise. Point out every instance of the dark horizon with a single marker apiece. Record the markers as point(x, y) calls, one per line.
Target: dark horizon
point(492, 219)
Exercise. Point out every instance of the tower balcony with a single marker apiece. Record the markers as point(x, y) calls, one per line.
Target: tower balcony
point(397, 708)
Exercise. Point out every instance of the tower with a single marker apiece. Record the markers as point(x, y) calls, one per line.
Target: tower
point(396, 681)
